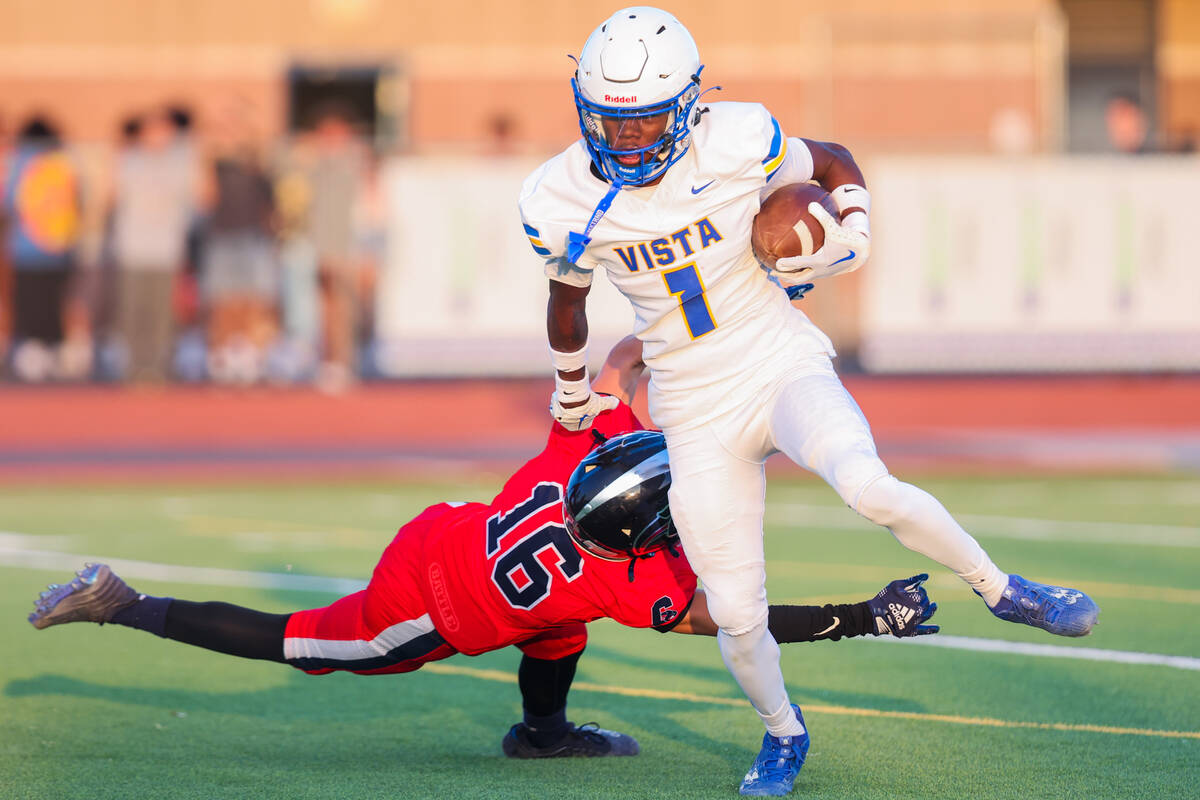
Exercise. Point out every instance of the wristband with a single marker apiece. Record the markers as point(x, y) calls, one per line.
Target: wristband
point(572, 391)
point(848, 196)
point(569, 362)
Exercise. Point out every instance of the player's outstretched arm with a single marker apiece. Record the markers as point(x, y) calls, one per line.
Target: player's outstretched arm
point(622, 370)
point(900, 609)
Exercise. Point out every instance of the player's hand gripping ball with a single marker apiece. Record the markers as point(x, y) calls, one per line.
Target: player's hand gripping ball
point(784, 227)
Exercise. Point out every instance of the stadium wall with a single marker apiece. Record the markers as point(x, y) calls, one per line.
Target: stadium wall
point(1012, 265)
point(1068, 264)
point(907, 75)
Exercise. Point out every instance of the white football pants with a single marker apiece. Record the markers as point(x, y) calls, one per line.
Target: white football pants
point(718, 489)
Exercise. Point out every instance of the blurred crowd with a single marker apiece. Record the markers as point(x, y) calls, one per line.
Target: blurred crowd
point(169, 256)
point(188, 250)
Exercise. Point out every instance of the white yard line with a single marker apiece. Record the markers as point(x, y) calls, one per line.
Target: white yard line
point(998, 527)
point(169, 573)
point(1048, 650)
point(22, 558)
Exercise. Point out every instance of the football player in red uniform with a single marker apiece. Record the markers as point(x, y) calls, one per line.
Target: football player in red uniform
point(580, 532)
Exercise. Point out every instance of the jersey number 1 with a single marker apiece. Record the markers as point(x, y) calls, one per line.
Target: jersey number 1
point(685, 282)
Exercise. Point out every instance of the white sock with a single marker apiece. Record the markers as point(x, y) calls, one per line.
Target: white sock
point(988, 580)
point(921, 523)
point(753, 660)
point(783, 722)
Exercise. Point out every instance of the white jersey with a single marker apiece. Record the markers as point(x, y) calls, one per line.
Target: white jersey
point(714, 327)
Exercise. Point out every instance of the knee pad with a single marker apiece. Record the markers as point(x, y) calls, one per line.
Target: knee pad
point(853, 474)
point(748, 649)
point(736, 616)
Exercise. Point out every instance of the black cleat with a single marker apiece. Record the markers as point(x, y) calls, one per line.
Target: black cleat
point(586, 741)
point(95, 594)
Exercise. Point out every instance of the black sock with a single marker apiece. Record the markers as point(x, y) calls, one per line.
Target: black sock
point(544, 685)
point(227, 628)
point(146, 614)
point(545, 731)
point(222, 627)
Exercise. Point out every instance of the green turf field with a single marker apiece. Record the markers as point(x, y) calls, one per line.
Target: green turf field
point(96, 712)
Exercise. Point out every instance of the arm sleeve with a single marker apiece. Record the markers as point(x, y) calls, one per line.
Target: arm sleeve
point(814, 623)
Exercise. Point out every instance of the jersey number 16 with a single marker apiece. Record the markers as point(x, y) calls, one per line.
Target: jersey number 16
point(518, 572)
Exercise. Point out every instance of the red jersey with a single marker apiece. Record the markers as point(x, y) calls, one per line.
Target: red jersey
point(507, 572)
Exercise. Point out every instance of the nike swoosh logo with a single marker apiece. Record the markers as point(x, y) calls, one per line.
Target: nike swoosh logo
point(836, 622)
point(705, 186)
point(840, 260)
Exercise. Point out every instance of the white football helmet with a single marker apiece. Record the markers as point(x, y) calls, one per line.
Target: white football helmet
point(641, 62)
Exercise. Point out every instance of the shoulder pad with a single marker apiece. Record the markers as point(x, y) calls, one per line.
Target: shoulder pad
point(551, 201)
point(736, 138)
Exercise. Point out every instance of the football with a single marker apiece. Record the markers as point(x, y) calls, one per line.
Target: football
point(784, 228)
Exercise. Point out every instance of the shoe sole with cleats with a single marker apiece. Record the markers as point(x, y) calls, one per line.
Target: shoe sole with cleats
point(95, 594)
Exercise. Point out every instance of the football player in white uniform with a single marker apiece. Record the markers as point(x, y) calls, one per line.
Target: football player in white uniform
point(660, 194)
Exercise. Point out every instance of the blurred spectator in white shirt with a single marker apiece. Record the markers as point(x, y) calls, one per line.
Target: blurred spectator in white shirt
point(336, 177)
point(154, 200)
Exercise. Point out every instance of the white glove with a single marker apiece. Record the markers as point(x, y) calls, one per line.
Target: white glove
point(846, 248)
point(580, 417)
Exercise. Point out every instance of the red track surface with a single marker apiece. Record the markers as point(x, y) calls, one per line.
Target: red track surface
point(43, 430)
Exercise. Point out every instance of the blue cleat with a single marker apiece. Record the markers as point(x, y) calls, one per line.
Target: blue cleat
point(777, 765)
point(1056, 609)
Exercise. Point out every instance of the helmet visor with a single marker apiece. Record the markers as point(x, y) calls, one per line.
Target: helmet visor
point(591, 545)
point(632, 132)
point(635, 144)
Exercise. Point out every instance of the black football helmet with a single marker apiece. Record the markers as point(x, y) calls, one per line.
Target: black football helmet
point(616, 504)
